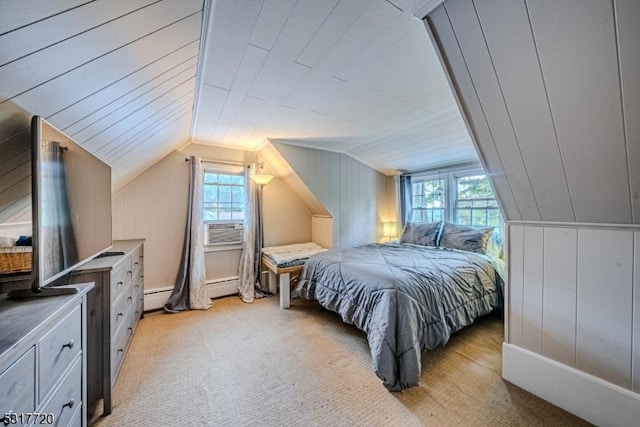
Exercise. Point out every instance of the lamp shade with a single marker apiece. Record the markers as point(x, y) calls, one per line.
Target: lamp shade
point(257, 174)
point(389, 229)
point(261, 179)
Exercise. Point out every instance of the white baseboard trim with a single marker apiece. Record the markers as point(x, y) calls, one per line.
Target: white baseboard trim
point(216, 288)
point(589, 397)
point(156, 297)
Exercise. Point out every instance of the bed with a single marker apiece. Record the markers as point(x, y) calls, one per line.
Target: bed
point(283, 261)
point(408, 298)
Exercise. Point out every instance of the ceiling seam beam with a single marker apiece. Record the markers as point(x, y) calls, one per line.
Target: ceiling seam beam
point(202, 52)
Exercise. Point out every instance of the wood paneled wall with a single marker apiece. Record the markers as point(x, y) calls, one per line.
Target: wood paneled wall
point(551, 96)
point(550, 93)
point(573, 297)
point(116, 76)
point(355, 195)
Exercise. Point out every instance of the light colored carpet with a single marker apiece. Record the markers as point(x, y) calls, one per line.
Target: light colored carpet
point(256, 365)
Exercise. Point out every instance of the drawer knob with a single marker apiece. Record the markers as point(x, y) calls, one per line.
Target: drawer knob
point(119, 283)
point(118, 315)
point(69, 404)
point(70, 344)
point(129, 299)
point(136, 263)
point(130, 272)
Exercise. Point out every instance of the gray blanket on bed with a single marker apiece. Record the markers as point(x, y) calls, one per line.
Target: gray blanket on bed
point(406, 298)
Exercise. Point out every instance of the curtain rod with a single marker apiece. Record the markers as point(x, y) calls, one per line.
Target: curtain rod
point(220, 162)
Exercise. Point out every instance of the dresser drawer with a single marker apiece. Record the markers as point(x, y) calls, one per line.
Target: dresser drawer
point(58, 349)
point(120, 309)
point(76, 421)
point(68, 396)
point(18, 385)
point(119, 279)
point(137, 259)
point(119, 346)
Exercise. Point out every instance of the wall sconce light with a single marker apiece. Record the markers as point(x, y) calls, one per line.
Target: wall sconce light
point(257, 174)
point(389, 229)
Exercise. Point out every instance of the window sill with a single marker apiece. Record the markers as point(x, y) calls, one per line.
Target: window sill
point(220, 248)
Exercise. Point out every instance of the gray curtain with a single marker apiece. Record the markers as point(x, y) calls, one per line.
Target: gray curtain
point(405, 198)
point(58, 234)
point(189, 291)
point(250, 260)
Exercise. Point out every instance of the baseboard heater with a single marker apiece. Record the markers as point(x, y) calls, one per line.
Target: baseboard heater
point(155, 298)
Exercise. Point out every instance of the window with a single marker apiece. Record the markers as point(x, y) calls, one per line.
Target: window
point(461, 197)
point(475, 203)
point(223, 205)
point(429, 201)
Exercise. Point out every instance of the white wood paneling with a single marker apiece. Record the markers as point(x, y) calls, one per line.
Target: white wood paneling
point(604, 304)
point(336, 25)
point(505, 26)
point(18, 13)
point(532, 294)
point(628, 16)
point(353, 193)
point(56, 28)
point(100, 142)
point(272, 18)
point(94, 124)
point(516, 284)
point(231, 26)
point(33, 70)
point(465, 24)
point(67, 89)
point(463, 85)
point(580, 67)
point(114, 90)
point(559, 299)
point(123, 105)
point(101, 70)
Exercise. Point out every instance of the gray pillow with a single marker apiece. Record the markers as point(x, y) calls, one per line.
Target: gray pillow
point(465, 238)
point(421, 234)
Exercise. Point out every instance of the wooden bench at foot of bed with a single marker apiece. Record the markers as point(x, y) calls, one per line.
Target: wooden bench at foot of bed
point(281, 276)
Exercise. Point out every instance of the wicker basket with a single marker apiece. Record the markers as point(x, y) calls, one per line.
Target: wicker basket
point(15, 259)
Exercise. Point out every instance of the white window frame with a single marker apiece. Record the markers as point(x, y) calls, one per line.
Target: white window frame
point(450, 177)
point(222, 169)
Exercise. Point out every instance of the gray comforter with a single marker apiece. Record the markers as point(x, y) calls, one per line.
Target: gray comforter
point(406, 298)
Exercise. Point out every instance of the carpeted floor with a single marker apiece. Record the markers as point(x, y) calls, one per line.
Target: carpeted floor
point(256, 365)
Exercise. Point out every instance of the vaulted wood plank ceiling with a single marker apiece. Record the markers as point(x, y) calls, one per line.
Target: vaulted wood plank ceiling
point(133, 80)
point(359, 76)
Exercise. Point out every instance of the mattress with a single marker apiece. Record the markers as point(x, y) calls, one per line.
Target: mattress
point(291, 255)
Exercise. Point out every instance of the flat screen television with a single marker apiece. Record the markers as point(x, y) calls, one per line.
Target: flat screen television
point(71, 207)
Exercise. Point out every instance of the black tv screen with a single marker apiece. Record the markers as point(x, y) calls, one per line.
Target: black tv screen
point(71, 204)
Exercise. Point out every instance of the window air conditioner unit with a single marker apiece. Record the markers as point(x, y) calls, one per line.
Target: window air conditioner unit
point(224, 234)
